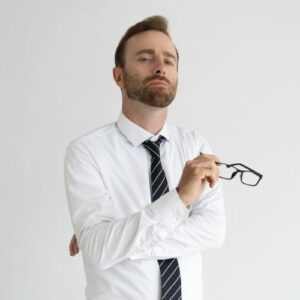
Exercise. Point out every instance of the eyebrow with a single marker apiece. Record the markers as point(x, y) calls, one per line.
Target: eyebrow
point(151, 51)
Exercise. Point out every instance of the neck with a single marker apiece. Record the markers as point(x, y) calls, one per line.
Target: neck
point(149, 118)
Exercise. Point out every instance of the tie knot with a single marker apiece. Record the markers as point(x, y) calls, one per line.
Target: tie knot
point(153, 147)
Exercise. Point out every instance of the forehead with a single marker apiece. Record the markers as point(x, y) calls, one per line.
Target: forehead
point(155, 40)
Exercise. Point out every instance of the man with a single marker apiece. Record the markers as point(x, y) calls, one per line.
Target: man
point(144, 199)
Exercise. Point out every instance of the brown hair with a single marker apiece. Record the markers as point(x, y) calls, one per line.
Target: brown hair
point(157, 23)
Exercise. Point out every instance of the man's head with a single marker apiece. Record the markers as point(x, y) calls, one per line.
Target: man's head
point(146, 63)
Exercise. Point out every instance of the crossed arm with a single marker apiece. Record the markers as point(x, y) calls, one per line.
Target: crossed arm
point(205, 227)
point(202, 229)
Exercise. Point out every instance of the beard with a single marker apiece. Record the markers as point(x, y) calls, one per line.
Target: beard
point(152, 96)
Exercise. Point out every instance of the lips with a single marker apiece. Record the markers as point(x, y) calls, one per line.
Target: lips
point(158, 82)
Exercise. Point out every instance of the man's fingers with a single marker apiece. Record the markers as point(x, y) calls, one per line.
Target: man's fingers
point(73, 247)
point(206, 168)
point(210, 157)
point(212, 180)
point(205, 161)
point(197, 173)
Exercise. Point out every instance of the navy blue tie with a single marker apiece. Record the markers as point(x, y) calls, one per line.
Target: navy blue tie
point(169, 268)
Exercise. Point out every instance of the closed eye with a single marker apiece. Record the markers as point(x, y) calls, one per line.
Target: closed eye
point(144, 59)
point(169, 62)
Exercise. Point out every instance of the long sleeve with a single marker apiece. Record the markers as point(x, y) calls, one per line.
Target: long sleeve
point(104, 240)
point(203, 230)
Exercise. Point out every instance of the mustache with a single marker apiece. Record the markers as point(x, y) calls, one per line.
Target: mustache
point(156, 77)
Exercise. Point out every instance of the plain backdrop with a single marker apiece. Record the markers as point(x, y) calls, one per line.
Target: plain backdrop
point(238, 86)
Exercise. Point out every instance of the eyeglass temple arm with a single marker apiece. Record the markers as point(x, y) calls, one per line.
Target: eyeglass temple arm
point(239, 164)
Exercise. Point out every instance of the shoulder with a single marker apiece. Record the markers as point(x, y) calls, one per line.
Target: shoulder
point(189, 138)
point(184, 135)
point(95, 139)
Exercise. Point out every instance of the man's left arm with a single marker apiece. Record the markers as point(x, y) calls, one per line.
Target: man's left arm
point(203, 230)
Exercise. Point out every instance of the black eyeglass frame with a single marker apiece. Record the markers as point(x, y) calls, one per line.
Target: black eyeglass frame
point(235, 166)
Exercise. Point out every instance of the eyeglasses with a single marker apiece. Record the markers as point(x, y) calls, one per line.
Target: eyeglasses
point(247, 176)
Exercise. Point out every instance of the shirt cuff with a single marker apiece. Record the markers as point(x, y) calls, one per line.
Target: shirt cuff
point(169, 210)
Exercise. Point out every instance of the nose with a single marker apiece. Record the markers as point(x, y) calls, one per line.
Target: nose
point(160, 71)
point(160, 67)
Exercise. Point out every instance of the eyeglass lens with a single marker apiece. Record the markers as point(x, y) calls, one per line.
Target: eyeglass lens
point(246, 176)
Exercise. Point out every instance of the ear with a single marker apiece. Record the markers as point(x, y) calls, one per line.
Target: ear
point(118, 76)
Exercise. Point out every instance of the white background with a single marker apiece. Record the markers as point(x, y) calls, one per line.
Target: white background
point(239, 86)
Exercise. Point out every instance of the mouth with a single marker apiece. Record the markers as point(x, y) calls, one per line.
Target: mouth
point(156, 82)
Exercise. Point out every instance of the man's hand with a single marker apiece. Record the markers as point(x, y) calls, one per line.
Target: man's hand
point(196, 174)
point(73, 247)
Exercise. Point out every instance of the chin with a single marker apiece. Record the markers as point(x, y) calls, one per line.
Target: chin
point(158, 100)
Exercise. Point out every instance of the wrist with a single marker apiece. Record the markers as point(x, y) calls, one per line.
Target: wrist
point(183, 198)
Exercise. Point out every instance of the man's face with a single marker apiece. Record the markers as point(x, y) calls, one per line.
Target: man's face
point(150, 72)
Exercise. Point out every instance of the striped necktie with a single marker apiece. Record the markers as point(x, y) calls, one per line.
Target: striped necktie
point(169, 268)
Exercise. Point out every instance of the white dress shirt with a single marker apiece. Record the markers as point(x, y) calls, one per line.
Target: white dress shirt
point(120, 232)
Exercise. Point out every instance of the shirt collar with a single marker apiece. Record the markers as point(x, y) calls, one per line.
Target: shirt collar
point(135, 134)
